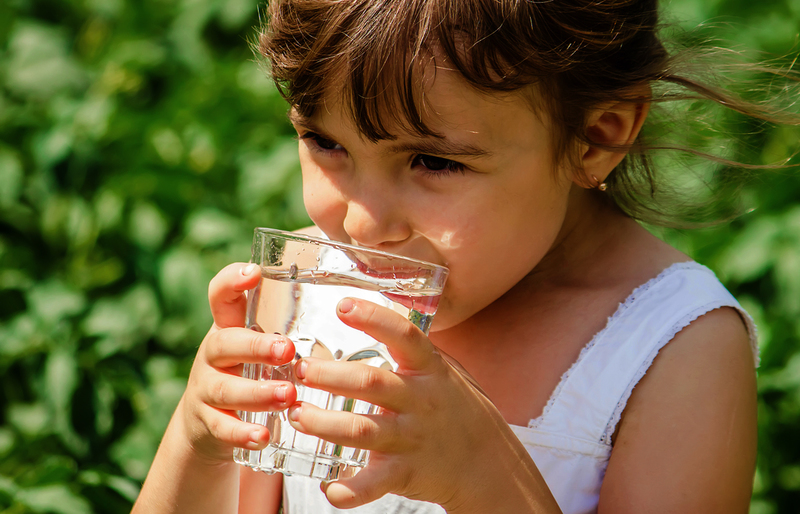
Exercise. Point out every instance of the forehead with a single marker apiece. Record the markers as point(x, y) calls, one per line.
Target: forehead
point(463, 123)
point(440, 100)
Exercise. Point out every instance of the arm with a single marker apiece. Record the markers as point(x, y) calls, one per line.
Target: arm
point(194, 470)
point(687, 439)
point(181, 480)
point(259, 493)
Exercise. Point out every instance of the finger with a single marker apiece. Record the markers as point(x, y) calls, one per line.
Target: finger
point(226, 293)
point(368, 485)
point(355, 380)
point(228, 429)
point(364, 431)
point(238, 393)
point(233, 346)
point(410, 348)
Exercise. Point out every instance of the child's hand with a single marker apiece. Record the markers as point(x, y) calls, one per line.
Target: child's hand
point(437, 438)
point(216, 388)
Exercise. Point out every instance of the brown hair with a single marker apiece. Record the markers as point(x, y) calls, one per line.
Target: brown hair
point(579, 53)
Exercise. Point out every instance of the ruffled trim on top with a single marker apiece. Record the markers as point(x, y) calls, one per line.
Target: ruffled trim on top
point(621, 310)
point(680, 325)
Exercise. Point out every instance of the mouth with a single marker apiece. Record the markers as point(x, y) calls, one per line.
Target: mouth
point(385, 270)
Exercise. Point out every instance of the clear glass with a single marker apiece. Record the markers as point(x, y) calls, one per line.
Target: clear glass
point(303, 279)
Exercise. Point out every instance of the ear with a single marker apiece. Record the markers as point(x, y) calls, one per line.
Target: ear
point(614, 127)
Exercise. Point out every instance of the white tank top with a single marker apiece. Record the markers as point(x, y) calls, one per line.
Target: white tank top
point(571, 441)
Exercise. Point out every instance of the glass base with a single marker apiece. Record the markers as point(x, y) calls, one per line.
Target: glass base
point(292, 462)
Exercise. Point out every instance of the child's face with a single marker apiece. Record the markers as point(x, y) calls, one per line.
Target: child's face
point(484, 200)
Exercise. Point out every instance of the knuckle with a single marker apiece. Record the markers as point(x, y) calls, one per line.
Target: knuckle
point(361, 432)
point(261, 393)
point(408, 330)
point(233, 434)
point(216, 283)
point(256, 346)
point(219, 393)
point(370, 379)
point(212, 425)
point(370, 313)
point(361, 497)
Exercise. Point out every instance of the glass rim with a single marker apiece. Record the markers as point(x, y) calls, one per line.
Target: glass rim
point(298, 236)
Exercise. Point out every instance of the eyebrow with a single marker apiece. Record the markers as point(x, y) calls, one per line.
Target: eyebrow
point(441, 146)
point(437, 145)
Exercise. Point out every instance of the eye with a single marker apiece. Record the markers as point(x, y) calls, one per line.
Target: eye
point(320, 143)
point(438, 166)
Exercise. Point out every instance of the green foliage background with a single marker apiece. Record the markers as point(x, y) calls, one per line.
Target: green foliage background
point(139, 146)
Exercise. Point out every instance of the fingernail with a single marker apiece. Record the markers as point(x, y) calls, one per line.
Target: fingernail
point(280, 393)
point(294, 413)
point(255, 436)
point(248, 269)
point(346, 305)
point(301, 369)
point(278, 347)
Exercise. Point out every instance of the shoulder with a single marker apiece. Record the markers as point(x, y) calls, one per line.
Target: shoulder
point(687, 439)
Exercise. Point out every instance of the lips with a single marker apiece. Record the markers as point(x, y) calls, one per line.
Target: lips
point(387, 272)
point(423, 304)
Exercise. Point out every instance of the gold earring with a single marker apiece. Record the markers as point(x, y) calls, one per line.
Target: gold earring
point(602, 186)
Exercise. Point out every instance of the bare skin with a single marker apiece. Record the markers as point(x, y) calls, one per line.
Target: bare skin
point(516, 324)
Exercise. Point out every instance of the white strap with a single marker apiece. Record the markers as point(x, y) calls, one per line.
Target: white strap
point(589, 401)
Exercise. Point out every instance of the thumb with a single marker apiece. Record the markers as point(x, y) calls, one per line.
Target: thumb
point(226, 293)
point(368, 485)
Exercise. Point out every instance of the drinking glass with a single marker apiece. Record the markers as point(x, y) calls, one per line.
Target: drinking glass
point(303, 278)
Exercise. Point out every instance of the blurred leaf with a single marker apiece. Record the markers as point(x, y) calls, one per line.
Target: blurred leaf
point(60, 380)
point(108, 209)
point(134, 451)
point(52, 301)
point(186, 31)
point(124, 321)
point(68, 221)
point(39, 64)
point(7, 441)
point(19, 336)
point(8, 489)
point(126, 487)
point(138, 53)
point(209, 227)
point(10, 176)
point(109, 8)
point(787, 273)
point(184, 281)
point(56, 498)
point(148, 226)
point(93, 117)
point(104, 400)
point(234, 13)
point(31, 420)
point(202, 150)
point(253, 78)
point(752, 252)
point(168, 145)
point(262, 175)
point(61, 377)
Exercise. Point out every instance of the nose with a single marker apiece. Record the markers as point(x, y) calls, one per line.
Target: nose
point(376, 219)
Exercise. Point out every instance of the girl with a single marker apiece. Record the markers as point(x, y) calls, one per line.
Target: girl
point(500, 138)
